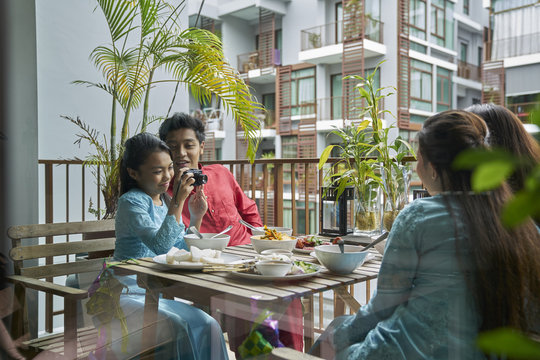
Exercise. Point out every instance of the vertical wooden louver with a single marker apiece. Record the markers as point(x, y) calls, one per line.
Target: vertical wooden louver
point(208, 24)
point(353, 55)
point(307, 148)
point(284, 100)
point(267, 29)
point(493, 82)
point(403, 66)
point(209, 153)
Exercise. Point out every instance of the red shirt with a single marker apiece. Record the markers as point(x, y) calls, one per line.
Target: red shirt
point(227, 204)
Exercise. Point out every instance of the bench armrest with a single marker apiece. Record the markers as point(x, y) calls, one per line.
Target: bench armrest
point(48, 287)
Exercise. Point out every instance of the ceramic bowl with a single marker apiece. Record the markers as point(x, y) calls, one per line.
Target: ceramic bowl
point(218, 243)
point(284, 230)
point(273, 267)
point(331, 257)
point(260, 245)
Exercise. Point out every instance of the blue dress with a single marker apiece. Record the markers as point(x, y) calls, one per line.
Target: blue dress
point(186, 332)
point(421, 308)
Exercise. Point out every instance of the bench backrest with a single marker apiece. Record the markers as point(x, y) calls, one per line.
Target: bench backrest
point(90, 244)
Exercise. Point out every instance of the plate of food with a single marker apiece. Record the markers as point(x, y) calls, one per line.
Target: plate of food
point(299, 270)
point(306, 244)
point(196, 259)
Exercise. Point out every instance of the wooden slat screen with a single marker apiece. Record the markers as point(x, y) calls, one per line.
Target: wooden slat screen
point(284, 100)
point(266, 38)
point(403, 66)
point(493, 82)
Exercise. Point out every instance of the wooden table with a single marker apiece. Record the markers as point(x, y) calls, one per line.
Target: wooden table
point(223, 293)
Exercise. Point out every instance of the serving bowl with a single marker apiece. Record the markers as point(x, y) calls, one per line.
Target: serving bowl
point(284, 230)
point(218, 243)
point(287, 253)
point(262, 244)
point(331, 257)
point(273, 267)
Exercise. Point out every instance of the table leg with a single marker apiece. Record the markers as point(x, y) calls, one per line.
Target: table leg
point(309, 320)
point(346, 298)
point(339, 304)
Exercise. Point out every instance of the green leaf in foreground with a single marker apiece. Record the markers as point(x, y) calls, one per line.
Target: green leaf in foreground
point(523, 205)
point(509, 343)
point(491, 175)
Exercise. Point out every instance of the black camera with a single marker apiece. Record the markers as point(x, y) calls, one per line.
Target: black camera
point(199, 177)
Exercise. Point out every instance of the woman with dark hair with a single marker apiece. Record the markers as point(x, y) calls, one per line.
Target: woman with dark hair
point(508, 133)
point(450, 269)
point(148, 223)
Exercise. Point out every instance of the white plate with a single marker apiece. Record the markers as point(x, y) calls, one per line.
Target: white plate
point(369, 257)
point(188, 265)
point(260, 277)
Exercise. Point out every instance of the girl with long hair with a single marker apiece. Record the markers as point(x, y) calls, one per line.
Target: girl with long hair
point(450, 269)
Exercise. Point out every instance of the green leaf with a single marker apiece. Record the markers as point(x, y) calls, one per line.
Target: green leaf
point(491, 175)
point(471, 158)
point(324, 156)
point(508, 343)
point(520, 208)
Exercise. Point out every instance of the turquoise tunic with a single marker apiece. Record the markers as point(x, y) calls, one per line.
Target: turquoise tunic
point(144, 229)
point(422, 308)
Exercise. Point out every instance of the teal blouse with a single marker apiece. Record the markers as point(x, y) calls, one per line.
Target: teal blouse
point(421, 308)
point(144, 229)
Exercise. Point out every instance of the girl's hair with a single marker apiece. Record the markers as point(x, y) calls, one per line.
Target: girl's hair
point(501, 266)
point(508, 133)
point(136, 150)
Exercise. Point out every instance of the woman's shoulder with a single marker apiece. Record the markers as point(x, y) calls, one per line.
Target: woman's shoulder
point(422, 209)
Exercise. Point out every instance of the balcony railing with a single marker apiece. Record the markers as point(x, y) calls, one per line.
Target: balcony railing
point(251, 61)
point(469, 71)
point(514, 46)
point(332, 108)
point(330, 34)
point(523, 110)
point(211, 117)
point(282, 188)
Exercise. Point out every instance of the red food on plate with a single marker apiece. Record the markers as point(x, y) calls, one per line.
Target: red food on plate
point(300, 243)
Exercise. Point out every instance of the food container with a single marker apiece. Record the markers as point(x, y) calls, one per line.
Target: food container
point(218, 243)
point(331, 257)
point(273, 267)
point(262, 244)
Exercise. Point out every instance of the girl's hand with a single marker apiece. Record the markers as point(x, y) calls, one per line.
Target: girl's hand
point(183, 185)
point(197, 203)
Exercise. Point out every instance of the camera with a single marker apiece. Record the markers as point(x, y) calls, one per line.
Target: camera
point(199, 177)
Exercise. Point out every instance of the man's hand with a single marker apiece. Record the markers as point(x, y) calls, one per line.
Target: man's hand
point(197, 203)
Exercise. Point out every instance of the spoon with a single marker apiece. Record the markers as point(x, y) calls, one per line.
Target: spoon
point(194, 230)
point(223, 232)
point(376, 241)
point(248, 225)
point(339, 241)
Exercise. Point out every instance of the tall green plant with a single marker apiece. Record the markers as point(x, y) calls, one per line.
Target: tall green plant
point(145, 36)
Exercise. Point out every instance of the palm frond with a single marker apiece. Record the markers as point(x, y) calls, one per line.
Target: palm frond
point(119, 16)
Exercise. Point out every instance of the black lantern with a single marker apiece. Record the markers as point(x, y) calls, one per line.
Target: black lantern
point(334, 215)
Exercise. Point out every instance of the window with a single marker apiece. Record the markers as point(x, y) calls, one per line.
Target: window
point(480, 56)
point(444, 89)
point(421, 85)
point(463, 51)
point(466, 7)
point(336, 94)
point(437, 18)
point(303, 92)
point(417, 18)
point(269, 103)
point(338, 19)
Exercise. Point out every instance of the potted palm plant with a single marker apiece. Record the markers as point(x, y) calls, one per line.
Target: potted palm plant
point(145, 37)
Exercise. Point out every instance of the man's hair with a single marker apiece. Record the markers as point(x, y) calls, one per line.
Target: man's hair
point(182, 121)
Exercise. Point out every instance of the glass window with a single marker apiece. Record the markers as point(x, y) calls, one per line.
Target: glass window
point(480, 55)
point(303, 92)
point(336, 93)
point(421, 85)
point(466, 7)
point(444, 89)
point(417, 47)
point(417, 18)
point(437, 19)
point(463, 52)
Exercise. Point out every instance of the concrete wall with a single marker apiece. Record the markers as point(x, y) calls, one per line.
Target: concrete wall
point(19, 125)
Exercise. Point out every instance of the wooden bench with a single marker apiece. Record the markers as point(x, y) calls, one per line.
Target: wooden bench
point(69, 345)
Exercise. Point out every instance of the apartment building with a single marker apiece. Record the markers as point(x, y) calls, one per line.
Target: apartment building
point(512, 66)
point(294, 54)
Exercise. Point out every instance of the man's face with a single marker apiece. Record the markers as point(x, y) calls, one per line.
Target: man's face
point(185, 148)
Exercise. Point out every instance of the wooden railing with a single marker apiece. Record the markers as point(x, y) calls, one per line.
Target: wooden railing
point(469, 71)
point(285, 192)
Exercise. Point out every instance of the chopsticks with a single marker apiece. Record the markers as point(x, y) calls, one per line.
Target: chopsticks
point(228, 267)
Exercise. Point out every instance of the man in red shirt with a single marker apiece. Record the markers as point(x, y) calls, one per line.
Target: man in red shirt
point(227, 203)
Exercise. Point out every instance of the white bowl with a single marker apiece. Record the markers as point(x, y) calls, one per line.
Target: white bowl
point(273, 267)
point(218, 243)
point(260, 245)
point(284, 230)
point(287, 253)
point(332, 258)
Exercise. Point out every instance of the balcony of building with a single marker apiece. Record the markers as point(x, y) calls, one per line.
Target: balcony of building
point(252, 66)
point(324, 44)
point(212, 119)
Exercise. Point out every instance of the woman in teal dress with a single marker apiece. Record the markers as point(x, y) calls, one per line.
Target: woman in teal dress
point(149, 223)
point(450, 269)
